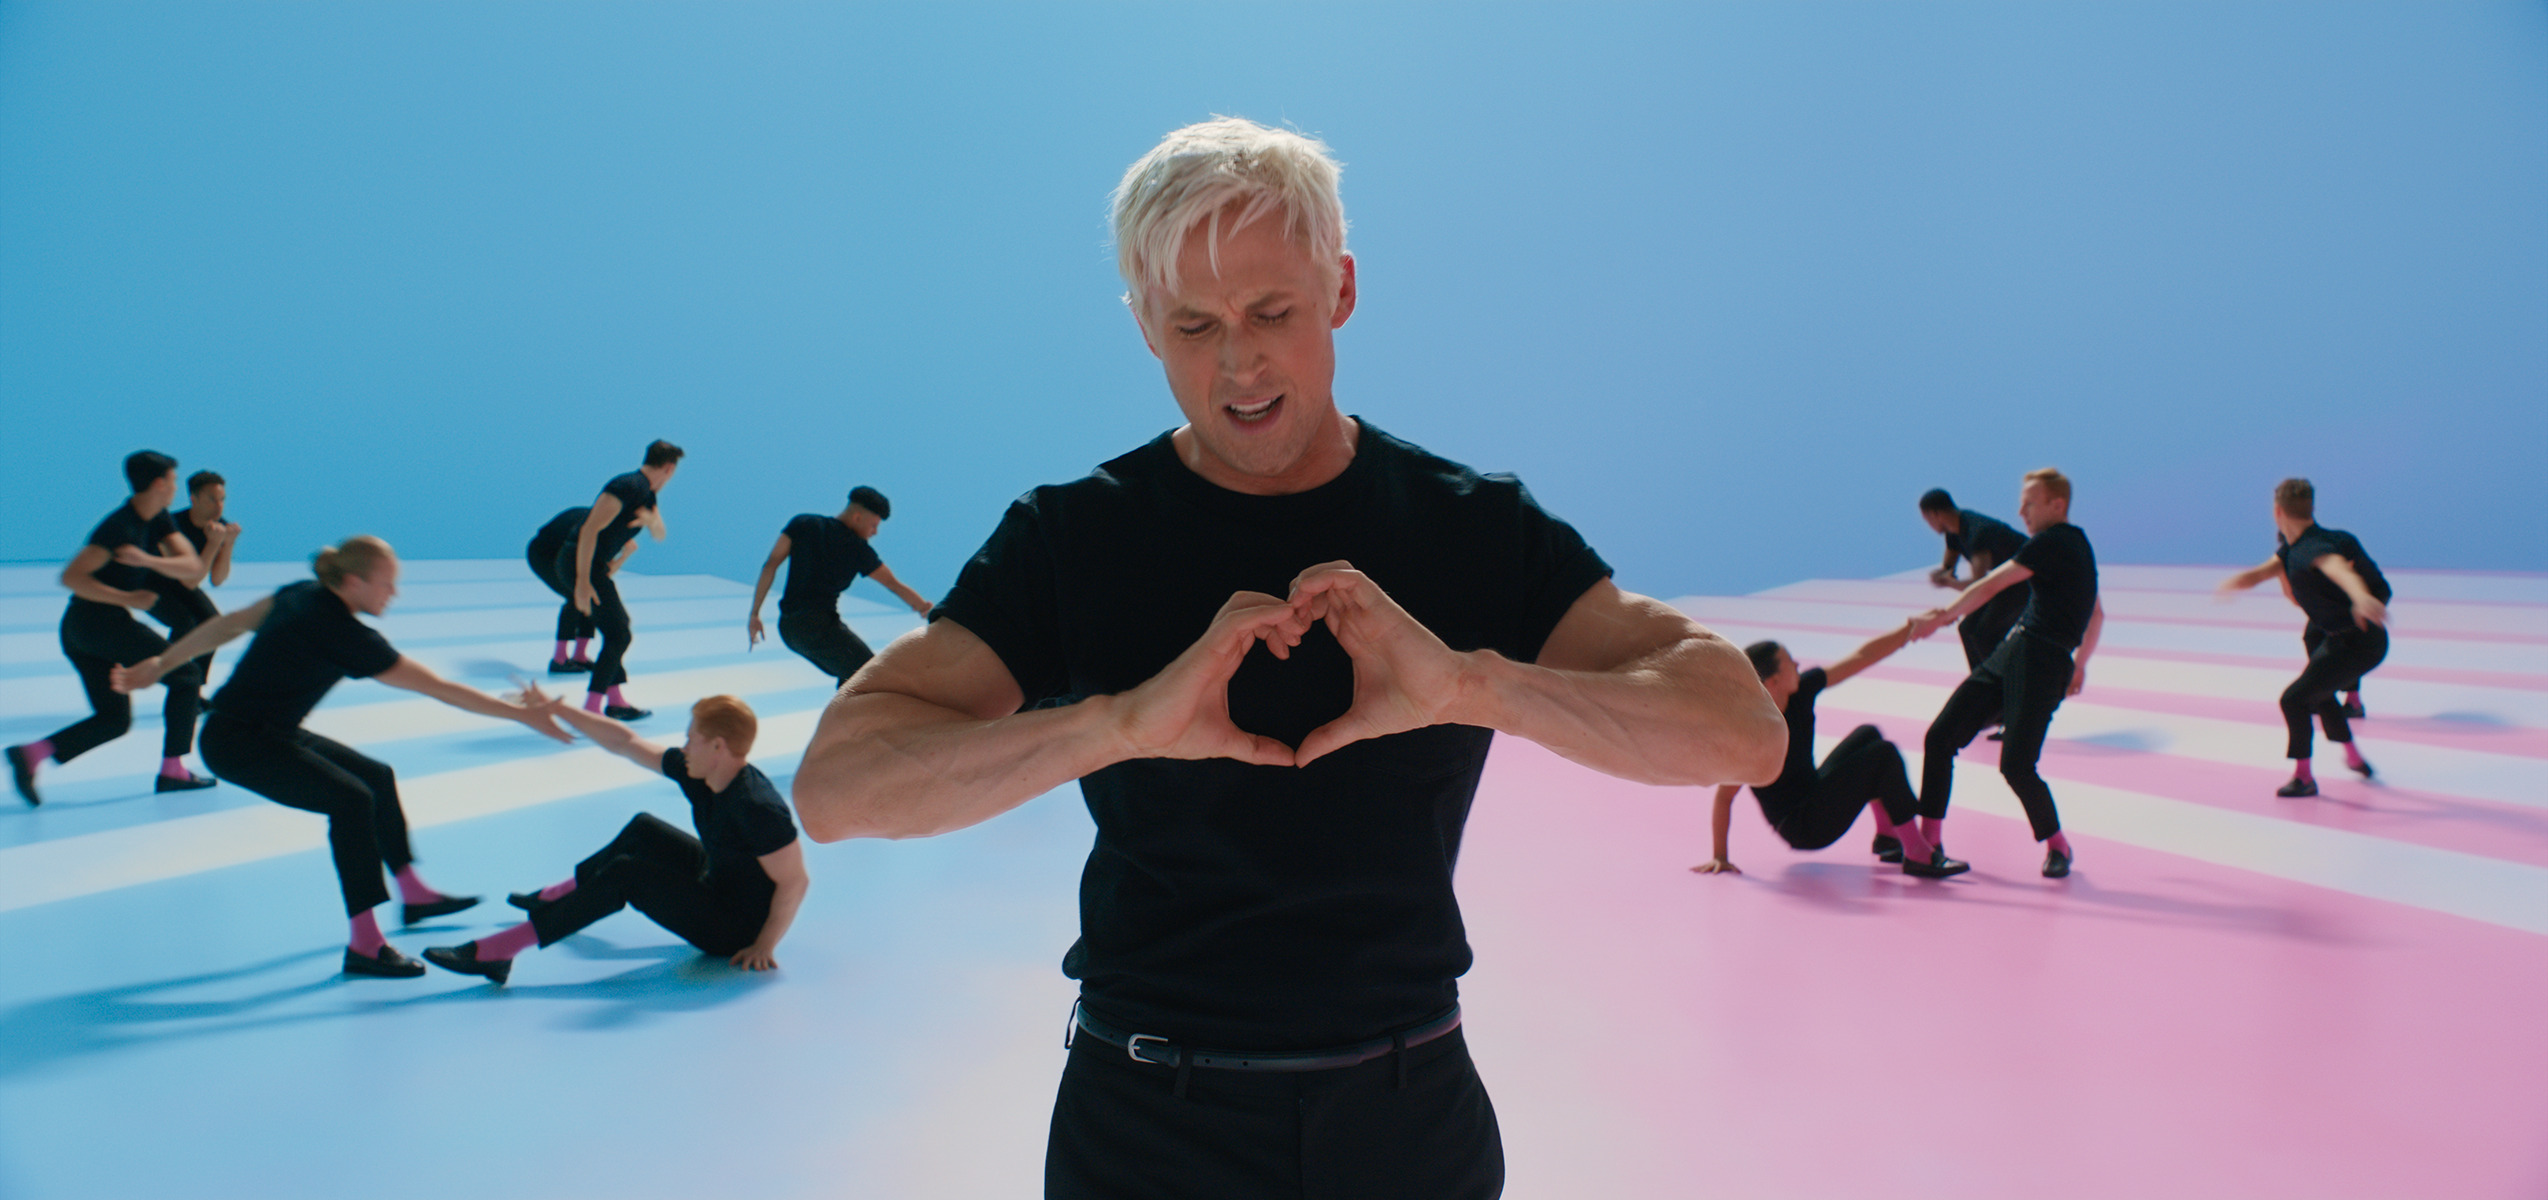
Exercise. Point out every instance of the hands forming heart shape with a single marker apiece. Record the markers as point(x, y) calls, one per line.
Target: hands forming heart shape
point(1404, 677)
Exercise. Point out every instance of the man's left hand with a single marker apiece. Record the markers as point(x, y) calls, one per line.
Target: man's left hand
point(1404, 677)
point(756, 957)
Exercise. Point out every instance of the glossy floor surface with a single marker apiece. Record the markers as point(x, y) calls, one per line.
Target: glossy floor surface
point(2234, 995)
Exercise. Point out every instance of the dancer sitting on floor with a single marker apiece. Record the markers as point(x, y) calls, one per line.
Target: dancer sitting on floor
point(824, 554)
point(2326, 573)
point(307, 640)
point(1809, 807)
point(127, 555)
point(731, 891)
point(2025, 679)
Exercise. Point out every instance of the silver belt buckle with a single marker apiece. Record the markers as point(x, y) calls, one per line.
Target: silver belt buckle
point(1132, 1047)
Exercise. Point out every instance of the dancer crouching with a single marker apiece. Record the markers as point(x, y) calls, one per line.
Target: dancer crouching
point(1811, 808)
point(2326, 573)
point(731, 891)
point(307, 640)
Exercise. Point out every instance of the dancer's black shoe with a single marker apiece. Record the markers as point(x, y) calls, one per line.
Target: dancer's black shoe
point(22, 773)
point(463, 958)
point(2297, 788)
point(388, 964)
point(2361, 768)
point(409, 914)
point(570, 666)
point(2056, 864)
point(190, 782)
point(1887, 848)
point(2353, 708)
point(627, 712)
point(1992, 736)
point(1939, 865)
point(529, 902)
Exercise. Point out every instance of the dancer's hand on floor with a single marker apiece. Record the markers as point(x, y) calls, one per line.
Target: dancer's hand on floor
point(756, 957)
point(1717, 866)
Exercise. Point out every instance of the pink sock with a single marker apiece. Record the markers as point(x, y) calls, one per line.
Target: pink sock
point(555, 890)
point(496, 947)
point(1914, 847)
point(174, 768)
point(2300, 770)
point(2060, 840)
point(617, 700)
point(37, 752)
point(1884, 824)
point(560, 656)
point(1933, 830)
point(583, 648)
point(367, 939)
point(412, 888)
point(2353, 757)
point(592, 702)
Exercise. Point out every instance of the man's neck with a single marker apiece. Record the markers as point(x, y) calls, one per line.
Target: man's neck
point(719, 780)
point(1329, 455)
point(145, 507)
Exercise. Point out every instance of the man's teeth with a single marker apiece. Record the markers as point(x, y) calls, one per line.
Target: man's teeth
point(1250, 410)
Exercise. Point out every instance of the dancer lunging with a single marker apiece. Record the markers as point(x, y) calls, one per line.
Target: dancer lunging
point(182, 607)
point(2326, 573)
point(130, 553)
point(1811, 807)
point(732, 891)
point(552, 557)
point(308, 639)
point(625, 504)
point(823, 555)
point(2025, 679)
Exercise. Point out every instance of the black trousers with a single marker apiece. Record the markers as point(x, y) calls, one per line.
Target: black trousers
point(98, 639)
point(1983, 629)
point(571, 624)
point(366, 827)
point(663, 873)
point(608, 615)
point(2336, 664)
point(2310, 638)
point(1121, 1131)
point(1863, 767)
point(824, 640)
point(2019, 685)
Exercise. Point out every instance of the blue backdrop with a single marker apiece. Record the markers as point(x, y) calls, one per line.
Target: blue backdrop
point(1728, 284)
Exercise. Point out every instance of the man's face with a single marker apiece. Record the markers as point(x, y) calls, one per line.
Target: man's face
point(701, 754)
point(163, 489)
point(1936, 518)
point(1782, 682)
point(2037, 507)
point(371, 594)
point(864, 523)
point(1250, 355)
point(208, 502)
point(662, 475)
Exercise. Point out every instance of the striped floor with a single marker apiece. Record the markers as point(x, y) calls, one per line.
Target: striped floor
point(2235, 995)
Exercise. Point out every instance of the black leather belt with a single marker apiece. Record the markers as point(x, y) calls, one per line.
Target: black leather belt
point(1159, 1051)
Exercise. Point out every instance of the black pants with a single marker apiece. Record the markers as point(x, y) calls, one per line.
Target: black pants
point(1121, 1132)
point(608, 615)
point(2019, 685)
point(97, 639)
point(824, 640)
point(571, 624)
point(2310, 638)
point(663, 872)
point(2336, 664)
point(1983, 629)
point(366, 828)
point(1861, 768)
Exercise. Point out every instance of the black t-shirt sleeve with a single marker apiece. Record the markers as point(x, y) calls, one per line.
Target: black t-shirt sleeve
point(863, 559)
point(1558, 567)
point(674, 765)
point(762, 826)
point(2045, 555)
point(1006, 596)
point(357, 649)
point(162, 528)
point(109, 533)
point(1810, 683)
point(801, 532)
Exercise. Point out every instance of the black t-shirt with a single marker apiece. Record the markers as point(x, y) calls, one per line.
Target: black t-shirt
point(124, 527)
point(558, 536)
point(2065, 585)
point(823, 557)
point(1255, 907)
point(737, 825)
point(1976, 533)
point(196, 536)
point(308, 642)
point(2329, 609)
point(1795, 782)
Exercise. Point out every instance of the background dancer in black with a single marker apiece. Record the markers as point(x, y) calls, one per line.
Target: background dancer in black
point(308, 639)
point(552, 558)
point(732, 891)
point(2326, 572)
point(823, 555)
point(2023, 681)
point(1811, 807)
point(1982, 543)
point(116, 573)
point(201, 523)
point(607, 529)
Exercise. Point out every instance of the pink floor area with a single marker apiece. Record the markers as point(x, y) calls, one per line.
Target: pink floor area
point(2155, 1025)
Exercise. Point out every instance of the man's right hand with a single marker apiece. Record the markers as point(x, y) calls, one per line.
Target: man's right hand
point(753, 632)
point(141, 599)
point(135, 677)
point(1184, 711)
point(1944, 578)
point(586, 597)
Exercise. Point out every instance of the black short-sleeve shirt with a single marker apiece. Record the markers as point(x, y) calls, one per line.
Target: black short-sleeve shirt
point(124, 527)
point(737, 825)
point(2329, 609)
point(633, 493)
point(197, 537)
point(2065, 585)
point(824, 556)
point(1976, 533)
point(310, 640)
point(1254, 907)
point(1795, 782)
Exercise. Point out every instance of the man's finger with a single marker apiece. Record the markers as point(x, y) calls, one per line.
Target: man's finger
point(1331, 737)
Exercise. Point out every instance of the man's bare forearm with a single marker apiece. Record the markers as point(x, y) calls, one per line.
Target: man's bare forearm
point(1691, 712)
point(888, 765)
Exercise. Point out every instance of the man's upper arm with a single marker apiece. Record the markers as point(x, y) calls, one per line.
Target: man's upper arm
point(944, 664)
point(1608, 627)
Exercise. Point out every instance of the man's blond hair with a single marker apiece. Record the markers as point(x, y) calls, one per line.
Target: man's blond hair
point(2056, 484)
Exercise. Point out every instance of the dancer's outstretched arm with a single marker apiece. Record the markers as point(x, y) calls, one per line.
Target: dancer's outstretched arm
point(2002, 577)
point(416, 677)
point(202, 639)
point(2252, 576)
point(606, 733)
point(1876, 650)
point(885, 575)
